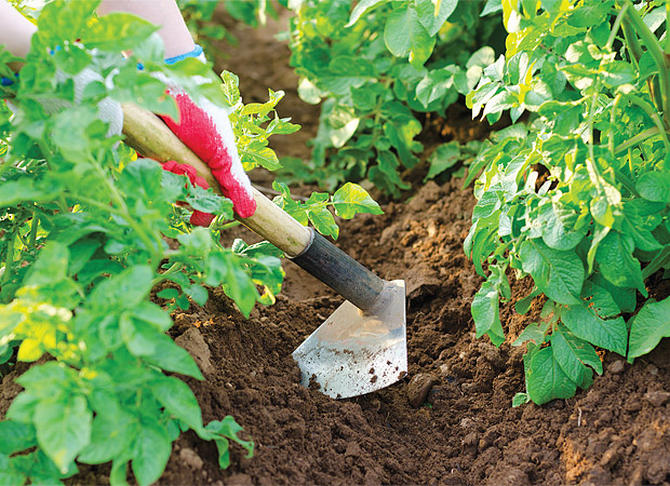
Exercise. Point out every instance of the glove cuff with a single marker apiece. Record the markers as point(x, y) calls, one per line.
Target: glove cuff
point(196, 52)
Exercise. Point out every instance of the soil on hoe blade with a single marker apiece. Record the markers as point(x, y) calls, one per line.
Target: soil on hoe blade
point(450, 421)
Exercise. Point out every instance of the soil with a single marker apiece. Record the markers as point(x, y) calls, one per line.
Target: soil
point(450, 420)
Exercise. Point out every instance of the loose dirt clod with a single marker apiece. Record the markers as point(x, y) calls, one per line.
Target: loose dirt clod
point(419, 387)
point(193, 342)
point(616, 367)
point(657, 398)
point(190, 458)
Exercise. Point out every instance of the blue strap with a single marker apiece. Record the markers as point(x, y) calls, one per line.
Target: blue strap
point(8, 81)
point(194, 53)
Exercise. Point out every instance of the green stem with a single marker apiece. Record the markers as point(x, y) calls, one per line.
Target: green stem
point(632, 42)
point(617, 25)
point(654, 48)
point(33, 230)
point(152, 247)
point(637, 139)
point(610, 138)
point(655, 117)
point(174, 268)
point(657, 263)
point(9, 261)
point(228, 225)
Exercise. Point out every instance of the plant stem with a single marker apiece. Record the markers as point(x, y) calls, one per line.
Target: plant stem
point(225, 226)
point(9, 261)
point(654, 48)
point(174, 268)
point(637, 139)
point(655, 117)
point(658, 262)
point(33, 230)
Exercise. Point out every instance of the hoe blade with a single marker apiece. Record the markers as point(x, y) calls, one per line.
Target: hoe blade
point(355, 352)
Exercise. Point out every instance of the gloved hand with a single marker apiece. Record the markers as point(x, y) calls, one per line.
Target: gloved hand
point(205, 128)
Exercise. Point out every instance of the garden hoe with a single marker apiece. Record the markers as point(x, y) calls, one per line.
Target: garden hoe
point(362, 346)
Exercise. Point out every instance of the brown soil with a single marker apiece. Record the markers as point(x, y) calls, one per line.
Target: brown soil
point(461, 429)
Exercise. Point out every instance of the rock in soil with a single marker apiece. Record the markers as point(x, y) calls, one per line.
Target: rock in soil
point(616, 367)
point(419, 387)
point(193, 342)
point(190, 458)
point(657, 398)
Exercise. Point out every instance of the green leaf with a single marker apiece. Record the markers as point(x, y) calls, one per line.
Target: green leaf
point(545, 380)
point(567, 358)
point(522, 306)
point(178, 400)
point(16, 436)
point(485, 310)
point(610, 334)
point(654, 186)
point(363, 7)
point(323, 221)
point(50, 266)
point(126, 289)
point(648, 327)
point(220, 431)
point(534, 332)
point(24, 189)
point(117, 32)
point(151, 452)
point(617, 263)
point(520, 399)
point(444, 157)
point(63, 428)
point(230, 87)
point(559, 274)
point(226, 269)
point(145, 341)
point(433, 18)
point(9, 476)
point(404, 36)
point(112, 432)
point(351, 199)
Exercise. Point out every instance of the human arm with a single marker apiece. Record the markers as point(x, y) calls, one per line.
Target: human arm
point(15, 30)
point(202, 126)
point(165, 13)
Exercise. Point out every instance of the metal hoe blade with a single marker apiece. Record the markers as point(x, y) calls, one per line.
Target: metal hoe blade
point(355, 352)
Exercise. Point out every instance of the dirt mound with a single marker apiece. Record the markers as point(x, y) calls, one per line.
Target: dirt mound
point(464, 431)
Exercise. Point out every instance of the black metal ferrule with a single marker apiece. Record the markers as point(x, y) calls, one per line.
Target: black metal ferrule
point(340, 272)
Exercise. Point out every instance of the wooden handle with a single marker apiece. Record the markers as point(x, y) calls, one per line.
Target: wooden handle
point(147, 134)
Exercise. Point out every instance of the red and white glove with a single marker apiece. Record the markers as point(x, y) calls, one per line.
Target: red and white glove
point(205, 128)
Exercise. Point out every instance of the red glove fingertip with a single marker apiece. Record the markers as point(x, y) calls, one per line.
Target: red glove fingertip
point(198, 218)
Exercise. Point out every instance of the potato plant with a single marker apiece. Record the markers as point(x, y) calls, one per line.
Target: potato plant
point(374, 66)
point(84, 230)
point(577, 196)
